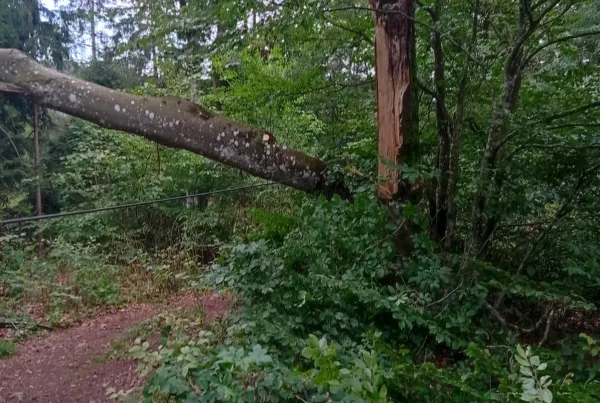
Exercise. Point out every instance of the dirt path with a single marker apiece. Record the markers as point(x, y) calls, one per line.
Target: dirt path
point(59, 368)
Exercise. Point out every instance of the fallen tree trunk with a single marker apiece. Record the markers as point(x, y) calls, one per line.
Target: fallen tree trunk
point(171, 121)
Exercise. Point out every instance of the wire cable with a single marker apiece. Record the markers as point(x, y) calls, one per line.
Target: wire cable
point(123, 206)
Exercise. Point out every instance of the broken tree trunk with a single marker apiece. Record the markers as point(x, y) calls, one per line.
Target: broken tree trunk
point(394, 69)
point(171, 121)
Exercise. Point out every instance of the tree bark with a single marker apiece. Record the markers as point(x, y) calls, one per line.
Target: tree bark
point(444, 129)
point(171, 121)
point(394, 71)
point(484, 215)
point(93, 28)
point(456, 140)
point(38, 188)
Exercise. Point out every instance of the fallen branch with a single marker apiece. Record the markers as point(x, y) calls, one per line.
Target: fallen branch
point(547, 331)
point(4, 324)
point(519, 329)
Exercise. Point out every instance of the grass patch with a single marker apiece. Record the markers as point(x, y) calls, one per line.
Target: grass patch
point(7, 349)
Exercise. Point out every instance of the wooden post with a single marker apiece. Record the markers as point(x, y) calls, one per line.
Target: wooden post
point(394, 71)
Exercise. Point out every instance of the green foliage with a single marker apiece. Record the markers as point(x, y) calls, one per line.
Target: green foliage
point(7, 349)
point(330, 306)
point(184, 367)
point(535, 386)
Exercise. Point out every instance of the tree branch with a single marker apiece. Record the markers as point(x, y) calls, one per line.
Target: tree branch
point(445, 35)
point(170, 121)
point(558, 40)
point(5, 131)
point(547, 10)
point(519, 329)
point(571, 112)
point(359, 34)
point(424, 88)
point(547, 331)
point(527, 6)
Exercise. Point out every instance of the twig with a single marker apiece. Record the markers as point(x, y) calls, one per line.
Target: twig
point(447, 295)
point(426, 90)
point(501, 319)
point(3, 129)
point(422, 345)
point(6, 323)
point(359, 34)
point(547, 331)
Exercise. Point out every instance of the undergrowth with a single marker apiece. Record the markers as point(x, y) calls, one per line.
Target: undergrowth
point(325, 313)
point(78, 280)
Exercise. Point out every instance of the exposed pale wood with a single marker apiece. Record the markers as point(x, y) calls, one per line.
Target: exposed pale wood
point(394, 65)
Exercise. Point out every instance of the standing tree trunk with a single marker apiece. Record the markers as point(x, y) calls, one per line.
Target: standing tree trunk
point(394, 71)
point(38, 189)
point(456, 139)
point(93, 29)
point(486, 201)
point(444, 124)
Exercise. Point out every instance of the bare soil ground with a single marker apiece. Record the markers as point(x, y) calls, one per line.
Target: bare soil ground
point(60, 368)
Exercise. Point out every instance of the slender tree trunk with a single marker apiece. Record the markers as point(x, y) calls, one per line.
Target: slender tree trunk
point(93, 29)
point(153, 55)
point(455, 143)
point(38, 189)
point(394, 70)
point(454, 164)
point(444, 129)
point(486, 200)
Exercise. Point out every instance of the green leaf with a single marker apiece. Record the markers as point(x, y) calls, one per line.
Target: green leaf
point(545, 381)
point(383, 392)
point(521, 351)
point(528, 398)
point(546, 396)
point(522, 361)
point(526, 371)
point(323, 343)
point(307, 352)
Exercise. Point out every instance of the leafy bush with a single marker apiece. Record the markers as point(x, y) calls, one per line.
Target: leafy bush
point(330, 272)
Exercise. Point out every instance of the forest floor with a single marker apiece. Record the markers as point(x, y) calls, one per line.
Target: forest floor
point(76, 364)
